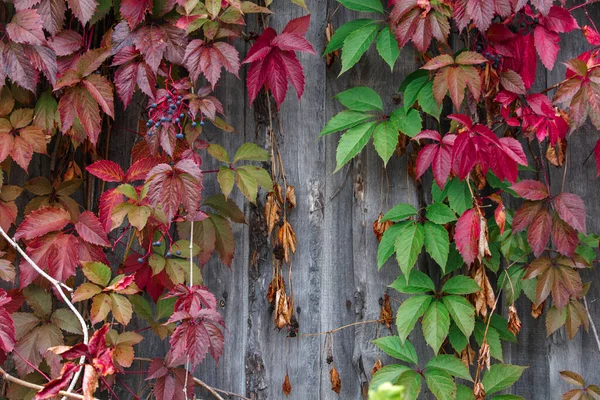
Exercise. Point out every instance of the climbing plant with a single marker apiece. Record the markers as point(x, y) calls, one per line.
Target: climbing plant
point(88, 243)
point(473, 115)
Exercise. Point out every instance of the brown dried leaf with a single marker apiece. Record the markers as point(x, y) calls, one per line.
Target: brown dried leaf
point(485, 298)
point(73, 172)
point(336, 382)
point(479, 391)
point(278, 193)
point(287, 239)
point(386, 314)
point(379, 227)
point(467, 356)
point(290, 196)
point(330, 57)
point(276, 283)
point(284, 308)
point(403, 141)
point(536, 311)
point(556, 154)
point(479, 177)
point(272, 212)
point(514, 323)
point(484, 248)
point(484, 356)
point(377, 366)
point(287, 387)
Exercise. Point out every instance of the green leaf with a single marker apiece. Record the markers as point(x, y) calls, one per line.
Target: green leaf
point(260, 174)
point(464, 393)
point(128, 191)
point(39, 300)
point(458, 340)
point(460, 284)
point(352, 142)
point(225, 207)
point(399, 212)
point(386, 246)
point(436, 324)
point(492, 338)
point(511, 284)
point(501, 325)
point(411, 381)
point(66, 320)
point(344, 120)
point(411, 86)
point(218, 152)
point(427, 102)
point(226, 178)
point(462, 312)
point(437, 243)
point(418, 282)
point(96, 272)
point(46, 114)
point(408, 245)
point(452, 365)
point(141, 307)
point(459, 196)
point(385, 140)
point(251, 152)
point(409, 123)
point(387, 46)
point(388, 373)
point(363, 5)
point(440, 383)
point(392, 346)
point(500, 377)
point(455, 260)
point(247, 185)
point(337, 40)
point(440, 214)
point(409, 312)
point(165, 308)
point(356, 44)
point(360, 98)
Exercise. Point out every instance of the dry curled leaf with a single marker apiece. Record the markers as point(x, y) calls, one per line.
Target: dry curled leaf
point(290, 196)
point(556, 154)
point(479, 391)
point(330, 57)
point(479, 177)
point(485, 298)
point(386, 314)
point(287, 387)
point(287, 239)
point(377, 366)
point(284, 308)
point(336, 382)
point(403, 141)
point(536, 311)
point(467, 356)
point(379, 227)
point(276, 283)
point(272, 212)
point(483, 246)
point(514, 323)
point(484, 359)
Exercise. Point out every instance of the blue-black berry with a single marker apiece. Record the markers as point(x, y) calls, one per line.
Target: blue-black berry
point(179, 136)
point(157, 124)
point(201, 123)
point(177, 120)
point(178, 252)
point(194, 124)
point(140, 260)
point(182, 115)
point(179, 97)
point(168, 255)
point(157, 243)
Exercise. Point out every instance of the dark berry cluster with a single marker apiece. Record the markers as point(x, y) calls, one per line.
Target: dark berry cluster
point(494, 58)
point(169, 109)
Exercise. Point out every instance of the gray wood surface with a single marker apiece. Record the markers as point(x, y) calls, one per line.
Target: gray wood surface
point(335, 276)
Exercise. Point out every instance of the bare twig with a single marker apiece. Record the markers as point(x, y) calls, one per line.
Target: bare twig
point(369, 321)
point(58, 285)
point(209, 388)
point(591, 322)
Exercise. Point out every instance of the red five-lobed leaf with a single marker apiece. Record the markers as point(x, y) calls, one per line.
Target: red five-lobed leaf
point(531, 189)
point(90, 229)
point(108, 171)
point(42, 221)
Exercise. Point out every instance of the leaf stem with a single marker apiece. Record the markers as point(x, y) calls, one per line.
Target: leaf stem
point(8, 377)
point(370, 321)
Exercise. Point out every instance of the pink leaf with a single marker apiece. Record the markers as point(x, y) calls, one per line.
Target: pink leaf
point(298, 26)
point(134, 11)
point(546, 44)
point(559, 20)
point(531, 189)
point(139, 169)
point(26, 27)
point(83, 9)
point(42, 221)
point(90, 229)
point(66, 42)
point(292, 42)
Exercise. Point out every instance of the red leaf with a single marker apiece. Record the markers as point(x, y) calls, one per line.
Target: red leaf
point(592, 36)
point(66, 42)
point(571, 209)
point(7, 326)
point(192, 300)
point(559, 20)
point(54, 14)
point(424, 159)
point(294, 71)
point(525, 215)
point(546, 44)
point(531, 189)
point(83, 9)
point(298, 26)
point(564, 237)
point(18, 67)
point(26, 27)
point(42, 221)
point(52, 388)
point(55, 253)
point(21, 152)
point(90, 229)
point(596, 157)
point(125, 80)
point(108, 201)
point(466, 235)
point(482, 12)
point(108, 171)
point(101, 90)
point(139, 169)
point(134, 11)
point(539, 232)
point(194, 339)
point(208, 59)
point(292, 42)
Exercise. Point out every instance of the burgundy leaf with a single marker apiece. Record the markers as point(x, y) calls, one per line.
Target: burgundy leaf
point(52, 388)
point(134, 11)
point(90, 229)
point(539, 232)
point(531, 189)
point(571, 209)
point(26, 27)
point(466, 235)
point(66, 42)
point(564, 237)
point(83, 9)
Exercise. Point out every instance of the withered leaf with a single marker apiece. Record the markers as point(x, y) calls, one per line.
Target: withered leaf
point(484, 356)
point(336, 382)
point(485, 298)
point(272, 212)
point(379, 227)
point(290, 196)
point(479, 391)
point(287, 239)
point(386, 314)
point(287, 387)
point(467, 356)
point(330, 57)
point(284, 308)
point(479, 177)
point(556, 154)
point(514, 323)
point(536, 311)
point(377, 366)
